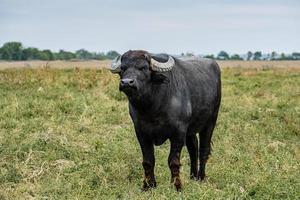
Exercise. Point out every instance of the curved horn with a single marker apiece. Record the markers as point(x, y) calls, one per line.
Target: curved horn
point(116, 65)
point(162, 67)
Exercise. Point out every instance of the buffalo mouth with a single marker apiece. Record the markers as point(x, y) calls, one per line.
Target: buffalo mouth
point(129, 90)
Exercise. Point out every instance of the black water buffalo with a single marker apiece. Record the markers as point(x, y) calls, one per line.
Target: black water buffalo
point(173, 99)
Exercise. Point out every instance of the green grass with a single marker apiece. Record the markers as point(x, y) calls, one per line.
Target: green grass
point(67, 134)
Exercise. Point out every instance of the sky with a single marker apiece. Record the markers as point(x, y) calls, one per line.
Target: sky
point(158, 26)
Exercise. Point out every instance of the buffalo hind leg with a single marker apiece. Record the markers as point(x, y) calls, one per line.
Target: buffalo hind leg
point(192, 146)
point(174, 162)
point(205, 145)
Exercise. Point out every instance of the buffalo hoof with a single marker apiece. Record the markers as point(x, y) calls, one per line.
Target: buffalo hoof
point(193, 177)
point(201, 177)
point(147, 186)
point(177, 184)
point(178, 188)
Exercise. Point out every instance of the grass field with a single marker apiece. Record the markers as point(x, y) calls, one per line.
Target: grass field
point(67, 134)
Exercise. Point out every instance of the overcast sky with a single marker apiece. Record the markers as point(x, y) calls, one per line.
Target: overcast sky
point(172, 26)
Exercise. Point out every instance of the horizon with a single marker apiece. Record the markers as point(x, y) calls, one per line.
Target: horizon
point(185, 53)
point(197, 27)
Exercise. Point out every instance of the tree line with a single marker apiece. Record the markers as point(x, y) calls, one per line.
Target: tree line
point(16, 51)
point(257, 55)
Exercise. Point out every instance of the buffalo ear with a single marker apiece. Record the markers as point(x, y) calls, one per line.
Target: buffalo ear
point(147, 57)
point(159, 78)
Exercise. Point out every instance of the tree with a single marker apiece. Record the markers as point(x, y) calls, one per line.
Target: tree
point(296, 55)
point(235, 57)
point(249, 55)
point(210, 56)
point(46, 55)
point(273, 55)
point(223, 55)
point(12, 51)
point(282, 56)
point(83, 54)
point(257, 55)
point(30, 54)
point(64, 55)
point(112, 54)
point(100, 56)
point(189, 54)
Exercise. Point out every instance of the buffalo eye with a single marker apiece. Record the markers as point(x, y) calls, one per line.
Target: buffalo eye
point(123, 67)
point(143, 67)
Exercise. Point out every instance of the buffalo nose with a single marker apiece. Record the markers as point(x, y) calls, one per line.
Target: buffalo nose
point(127, 82)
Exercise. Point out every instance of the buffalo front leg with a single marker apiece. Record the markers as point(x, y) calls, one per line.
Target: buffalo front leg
point(174, 162)
point(148, 164)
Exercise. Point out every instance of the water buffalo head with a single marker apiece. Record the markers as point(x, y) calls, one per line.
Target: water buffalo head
point(138, 70)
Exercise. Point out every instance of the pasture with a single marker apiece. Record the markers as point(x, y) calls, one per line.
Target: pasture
point(67, 134)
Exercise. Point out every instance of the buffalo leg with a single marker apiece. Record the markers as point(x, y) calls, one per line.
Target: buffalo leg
point(192, 146)
point(205, 145)
point(174, 162)
point(148, 164)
